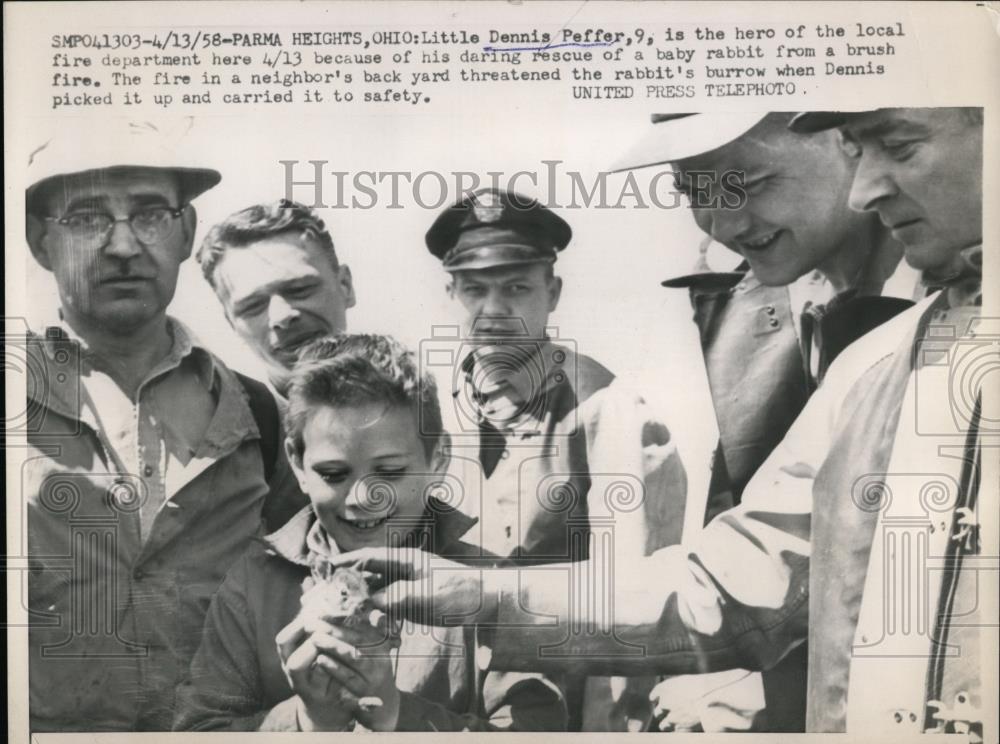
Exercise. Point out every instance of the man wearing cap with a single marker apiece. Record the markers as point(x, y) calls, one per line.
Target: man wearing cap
point(862, 529)
point(275, 271)
point(815, 276)
point(560, 461)
point(145, 477)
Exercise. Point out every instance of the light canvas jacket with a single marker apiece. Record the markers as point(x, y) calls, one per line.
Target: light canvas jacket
point(743, 593)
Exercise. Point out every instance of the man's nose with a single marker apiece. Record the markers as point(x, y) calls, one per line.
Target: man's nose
point(725, 225)
point(495, 303)
point(280, 312)
point(122, 242)
point(872, 184)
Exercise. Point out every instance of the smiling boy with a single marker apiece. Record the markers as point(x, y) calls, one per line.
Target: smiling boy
point(369, 470)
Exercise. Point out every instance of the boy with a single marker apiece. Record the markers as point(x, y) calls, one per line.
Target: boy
point(356, 407)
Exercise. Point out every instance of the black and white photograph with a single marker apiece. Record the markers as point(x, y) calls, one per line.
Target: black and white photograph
point(548, 367)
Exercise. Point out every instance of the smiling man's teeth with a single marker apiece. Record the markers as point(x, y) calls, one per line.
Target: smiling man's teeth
point(759, 242)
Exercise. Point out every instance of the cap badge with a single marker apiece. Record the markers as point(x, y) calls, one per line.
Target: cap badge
point(487, 207)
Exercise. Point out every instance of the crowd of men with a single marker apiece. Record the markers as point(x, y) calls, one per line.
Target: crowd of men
point(176, 507)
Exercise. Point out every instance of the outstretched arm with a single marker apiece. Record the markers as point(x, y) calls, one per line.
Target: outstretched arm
point(736, 596)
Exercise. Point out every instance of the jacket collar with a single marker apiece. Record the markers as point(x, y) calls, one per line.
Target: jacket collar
point(68, 354)
point(964, 280)
point(303, 537)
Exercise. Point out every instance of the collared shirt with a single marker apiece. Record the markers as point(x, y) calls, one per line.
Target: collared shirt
point(155, 435)
point(884, 287)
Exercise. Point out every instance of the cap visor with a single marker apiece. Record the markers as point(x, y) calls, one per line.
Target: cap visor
point(721, 279)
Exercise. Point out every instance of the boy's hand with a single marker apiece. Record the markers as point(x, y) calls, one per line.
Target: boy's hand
point(360, 663)
point(324, 703)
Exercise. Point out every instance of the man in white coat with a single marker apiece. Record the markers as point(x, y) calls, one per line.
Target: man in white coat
point(861, 531)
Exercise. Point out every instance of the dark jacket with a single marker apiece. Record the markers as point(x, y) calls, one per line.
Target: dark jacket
point(236, 681)
point(117, 615)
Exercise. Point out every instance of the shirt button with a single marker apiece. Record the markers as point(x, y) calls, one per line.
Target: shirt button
point(774, 323)
point(138, 574)
point(769, 310)
point(148, 471)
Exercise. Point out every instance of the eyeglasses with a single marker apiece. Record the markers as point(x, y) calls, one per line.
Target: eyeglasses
point(150, 225)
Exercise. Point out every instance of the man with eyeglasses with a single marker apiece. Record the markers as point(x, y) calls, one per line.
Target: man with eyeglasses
point(146, 476)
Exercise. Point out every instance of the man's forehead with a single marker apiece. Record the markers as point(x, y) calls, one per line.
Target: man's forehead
point(886, 121)
point(267, 264)
point(114, 184)
point(500, 273)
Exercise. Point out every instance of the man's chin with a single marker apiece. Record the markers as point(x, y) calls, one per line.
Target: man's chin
point(773, 275)
point(125, 318)
point(933, 259)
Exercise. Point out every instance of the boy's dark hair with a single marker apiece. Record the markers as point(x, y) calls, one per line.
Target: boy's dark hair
point(353, 369)
point(259, 222)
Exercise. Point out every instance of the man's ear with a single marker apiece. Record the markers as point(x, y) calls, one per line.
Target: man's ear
point(441, 457)
point(189, 220)
point(37, 229)
point(347, 285)
point(295, 460)
point(449, 288)
point(555, 292)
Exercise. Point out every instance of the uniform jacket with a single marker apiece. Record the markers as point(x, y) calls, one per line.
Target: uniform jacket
point(115, 618)
point(855, 465)
point(237, 683)
point(588, 469)
point(758, 342)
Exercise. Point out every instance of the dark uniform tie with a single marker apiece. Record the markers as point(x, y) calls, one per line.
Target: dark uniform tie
point(492, 444)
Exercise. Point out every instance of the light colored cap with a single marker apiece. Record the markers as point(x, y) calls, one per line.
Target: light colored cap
point(80, 148)
point(674, 137)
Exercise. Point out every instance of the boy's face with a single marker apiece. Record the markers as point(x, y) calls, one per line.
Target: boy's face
point(366, 472)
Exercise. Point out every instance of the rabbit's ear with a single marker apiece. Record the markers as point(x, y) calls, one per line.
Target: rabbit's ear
point(308, 583)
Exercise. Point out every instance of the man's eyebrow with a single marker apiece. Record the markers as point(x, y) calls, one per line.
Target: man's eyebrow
point(273, 287)
point(250, 299)
point(86, 202)
point(152, 197)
